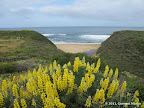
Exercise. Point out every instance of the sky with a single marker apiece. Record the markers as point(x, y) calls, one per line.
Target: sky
point(51, 13)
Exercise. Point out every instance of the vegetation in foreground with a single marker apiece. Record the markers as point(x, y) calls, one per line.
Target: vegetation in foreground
point(125, 50)
point(23, 50)
point(72, 86)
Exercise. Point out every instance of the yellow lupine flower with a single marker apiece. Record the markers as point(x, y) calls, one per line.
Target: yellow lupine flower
point(69, 63)
point(40, 83)
point(92, 66)
point(29, 87)
point(34, 91)
point(58, 104)
point(110, 73)
point(105, 83)
point(101, 81)
point(116, 85)
point(98, 63)
point(64, 66)
point(123, 86)
point(96, 69)
point(58, 71)
point(111, 89)
point(59, 83)
point(75, 66)
point(35, 74)
point(106, 71)
point(91, 80)
point(96, 97)
point(22, 79)
point(54, 64)
point(83, 86)
point(23, 103)
point(86, 77)
point(55, 91)
point(1, 99)
point(136, 93)
point(16, 104)
point(4, 88)
point(54, 77)
point(43, 95)
point(89, 70)
point(22, 92)
point(46, 69)
point(116, 74)
point(136, 101)
point(14, 79)
point(50, 67)
point(142, 106)
point(15, 90)
point(102, 96)
point(33, 102)
point(65, 78)
point(83, 61)
point(49, 102)
point(87, 66)
point(71, 83)
point(88, 102)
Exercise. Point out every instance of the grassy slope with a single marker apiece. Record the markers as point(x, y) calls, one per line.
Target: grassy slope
point(27, 52)
point(125, 50)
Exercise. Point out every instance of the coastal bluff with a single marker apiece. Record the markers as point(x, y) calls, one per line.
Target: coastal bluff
point(23, 50)
point(125, 50)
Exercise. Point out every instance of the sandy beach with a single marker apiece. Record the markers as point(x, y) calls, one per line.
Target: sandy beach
point(77, 48)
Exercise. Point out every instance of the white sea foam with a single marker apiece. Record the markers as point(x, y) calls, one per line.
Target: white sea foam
point(62, 34)
point(62, 42)
point(48, 35)
point(59, 42)
point(95, 36)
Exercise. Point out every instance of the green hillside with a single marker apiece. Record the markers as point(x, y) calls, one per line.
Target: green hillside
point(21, 50)
point(125, 50)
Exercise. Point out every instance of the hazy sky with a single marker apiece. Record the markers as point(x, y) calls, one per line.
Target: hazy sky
point(45, 13)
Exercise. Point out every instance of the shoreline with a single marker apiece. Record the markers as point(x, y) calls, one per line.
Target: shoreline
point(77, 43)
point(77, 47)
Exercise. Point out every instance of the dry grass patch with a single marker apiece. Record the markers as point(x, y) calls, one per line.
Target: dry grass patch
point(9, 45)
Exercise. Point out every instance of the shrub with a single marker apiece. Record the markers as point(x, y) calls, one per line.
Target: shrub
point(78, 86)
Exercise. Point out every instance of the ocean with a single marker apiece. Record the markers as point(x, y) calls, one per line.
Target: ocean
point(62, 35)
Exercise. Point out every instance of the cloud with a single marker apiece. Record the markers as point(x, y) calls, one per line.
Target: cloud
point(95, 9)
point(79, 11)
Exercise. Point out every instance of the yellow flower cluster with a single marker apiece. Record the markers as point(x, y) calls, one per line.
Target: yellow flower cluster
point(142, 106)
point(16, 104)
point(106, 71)
point(50, 82)
point(69, 63)
point(15, 90)
point(71, 82)
point(123, 86)
point(135, 97)
point(99, 96)
point(112, 88)
point(1, 99)
point(83, 86)
point(116, 74)
point(88, 102)
point(89, 79)
point(105, 83)
point(110, 73)
point(23, 103)
point(4, 88)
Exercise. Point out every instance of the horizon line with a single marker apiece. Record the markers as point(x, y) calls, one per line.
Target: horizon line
point(74, 26)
